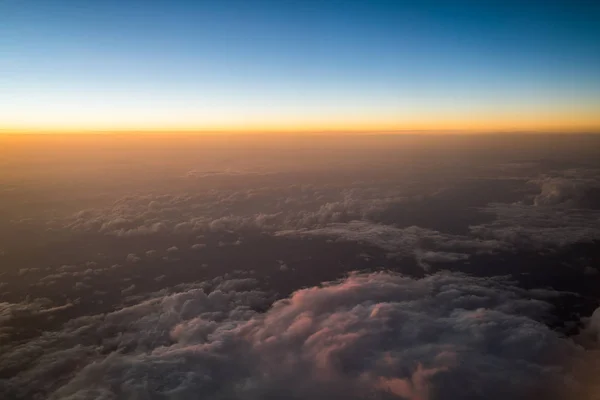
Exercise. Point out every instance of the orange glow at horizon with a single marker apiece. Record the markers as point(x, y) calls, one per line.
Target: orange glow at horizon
point(574, 121)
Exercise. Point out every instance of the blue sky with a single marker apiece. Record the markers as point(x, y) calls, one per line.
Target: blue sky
point(225, 63)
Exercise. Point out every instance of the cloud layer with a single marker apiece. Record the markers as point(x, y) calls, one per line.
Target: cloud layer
point(381, 335)
point(555, 209)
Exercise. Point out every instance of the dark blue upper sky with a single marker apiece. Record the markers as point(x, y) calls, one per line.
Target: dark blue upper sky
point(222, 63)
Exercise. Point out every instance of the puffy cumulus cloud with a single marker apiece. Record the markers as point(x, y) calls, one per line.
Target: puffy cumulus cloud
point(12, 313)
point(42, 305)
point(425, 245)
point(590, 334)
point(571, 192)
point(265, 209)
point(193, 173)
point(354, 205)
point(128, 290)
point(23, 271)
point(136, 215)
point(532, 226)
point(132, 258)
point(425, 258)
point(282, 265)
point(139, 230)
point(376, 336)
point(564, 210)
point(594, 324)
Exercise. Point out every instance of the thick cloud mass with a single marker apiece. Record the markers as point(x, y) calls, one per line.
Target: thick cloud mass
point(381, 335)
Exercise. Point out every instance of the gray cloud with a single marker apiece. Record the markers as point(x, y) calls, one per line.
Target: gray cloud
point(534, 226)
point(221, 173)
point(447, 336)
point(290, 207)
point(579, 191)
point(9, 312)
point(132, 258)
point(555, 210)
point(425, 245)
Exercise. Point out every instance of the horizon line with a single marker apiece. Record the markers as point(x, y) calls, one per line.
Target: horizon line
point(292, 132)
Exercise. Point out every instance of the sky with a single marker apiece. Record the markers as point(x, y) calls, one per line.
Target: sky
point(299, 65)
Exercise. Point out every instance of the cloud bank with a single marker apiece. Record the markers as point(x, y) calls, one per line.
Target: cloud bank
point(369, 336)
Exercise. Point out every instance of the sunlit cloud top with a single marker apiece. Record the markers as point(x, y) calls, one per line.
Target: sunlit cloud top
point(299, 65)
